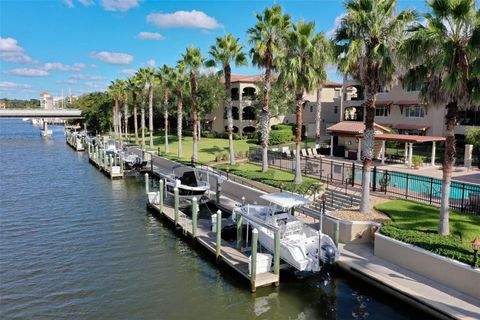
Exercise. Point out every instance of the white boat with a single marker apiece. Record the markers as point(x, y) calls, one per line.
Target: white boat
point(191, 182)
point(46, 133)
point(301, 246)
point(25, 119)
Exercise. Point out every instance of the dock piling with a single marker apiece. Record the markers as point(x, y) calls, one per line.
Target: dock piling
point(218, 234)
point(160, 194)
point(218, 191)
point(239, 232)
point(276, 255)
point(253, 259)
point(176, 200)
point(147, 184)
point(194, 217)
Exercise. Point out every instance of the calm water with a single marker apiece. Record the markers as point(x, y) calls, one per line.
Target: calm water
point(75, 245)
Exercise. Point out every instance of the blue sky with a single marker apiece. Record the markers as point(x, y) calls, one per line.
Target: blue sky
point(82, 45)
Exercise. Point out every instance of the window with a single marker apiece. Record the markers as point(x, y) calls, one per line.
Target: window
point(416, 86)
point(382, 111)
point(335, 109)
point(311, 108)
point(337, 93)
point(414, 112)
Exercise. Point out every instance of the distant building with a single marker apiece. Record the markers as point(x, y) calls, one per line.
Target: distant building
point(3, 104)
point(46, 101)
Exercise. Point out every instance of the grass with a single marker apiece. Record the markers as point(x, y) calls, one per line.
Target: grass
point(208, 148)
point(417, 223)
point(272, 177)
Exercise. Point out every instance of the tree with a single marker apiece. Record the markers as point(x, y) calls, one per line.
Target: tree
point(114, 91)
point(266, 39)
point(142, 77)
point(132, 85)
point(164, 76)
point(367, 37)
point(443, 55)
point(282, 99)
point(193, 60)
point(97, 109)
point(210, 94)
point(324, 48)
point(123, 86)
point(179, 84)
point(227, 50)
point(299, 71)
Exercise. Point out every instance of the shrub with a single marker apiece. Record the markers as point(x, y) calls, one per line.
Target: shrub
point(447, 246)
point(417, 160)
point(280, 136)
point(225, 156)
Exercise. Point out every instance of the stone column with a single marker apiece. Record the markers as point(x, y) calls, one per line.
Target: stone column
point(405, 155)
point(331, 146)
point(433, 153)
point(410, 153)
point(383, 152)
point(467, 160)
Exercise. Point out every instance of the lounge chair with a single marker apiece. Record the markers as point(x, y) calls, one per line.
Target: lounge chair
point(304, 152)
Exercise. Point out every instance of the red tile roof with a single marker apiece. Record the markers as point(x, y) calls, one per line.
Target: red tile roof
point(411, 126)
point(352, 127)
point(407, 102)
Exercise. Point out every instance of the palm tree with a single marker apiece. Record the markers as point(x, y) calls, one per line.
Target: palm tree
point(226, 51)
point(151, 84)
point(193, 60)
point(143, 76)
point(114, 91)
point(367, 36)
point(266, 37)
point(179, 83)
point(323, 46)
point(299, 71)
point(132, 85)
point(164, 76)
point(443, 56)
point(123, 84)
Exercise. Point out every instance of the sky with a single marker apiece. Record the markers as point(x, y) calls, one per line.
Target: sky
point(79, 46)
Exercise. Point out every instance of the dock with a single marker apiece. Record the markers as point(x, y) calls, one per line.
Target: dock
point(74, 141)
point(110, 165)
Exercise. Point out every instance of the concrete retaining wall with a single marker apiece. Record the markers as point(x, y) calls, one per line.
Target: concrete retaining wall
point(349, 231)
point(451, 273)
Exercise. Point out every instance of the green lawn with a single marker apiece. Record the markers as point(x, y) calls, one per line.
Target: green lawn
point(208, 148)
point(417, 223)
point(272, 177)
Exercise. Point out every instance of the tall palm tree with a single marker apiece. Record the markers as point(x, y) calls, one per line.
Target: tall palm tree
point(299, 71)
point(223, 53)
point(132, 85)
point(265, 38)
point(143, 76)
point(193, 60)
point(179, 83)
point(123, 85)
point(151, 84)
point(444, 56)
point(323, 46)
point(114, 91)
point(368, 35)
point(164, 76)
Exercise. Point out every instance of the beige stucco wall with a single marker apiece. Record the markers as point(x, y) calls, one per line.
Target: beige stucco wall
point(454, 274)
point(349, 231)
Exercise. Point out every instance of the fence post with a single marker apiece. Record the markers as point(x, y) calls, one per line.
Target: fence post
point(331, 170)
point(374, 179)
point(194, 217)
point(353, 174)
point(218, 235)
point(406, 186)
point(276, 256)
point(431, 189)
point(306, 160)
point(321, 171)
point(253, 260)
point(463, 197)
point(176, 200)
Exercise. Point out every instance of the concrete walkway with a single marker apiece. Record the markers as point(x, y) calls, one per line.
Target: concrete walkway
point(428, 295)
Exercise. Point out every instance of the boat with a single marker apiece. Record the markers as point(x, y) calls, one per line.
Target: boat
point(301, 246)
point(25, 119)
point(132, 161)
point(110, 147)
point(191, 182)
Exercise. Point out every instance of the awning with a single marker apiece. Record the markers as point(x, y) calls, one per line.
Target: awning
point(381, 103)
point(408, 138)
point(411, 126)
point(352, 128)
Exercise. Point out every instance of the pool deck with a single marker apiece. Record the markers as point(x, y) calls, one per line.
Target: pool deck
point(428, 295)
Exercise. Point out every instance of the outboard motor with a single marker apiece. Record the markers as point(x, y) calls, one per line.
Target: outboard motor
point(328, 263)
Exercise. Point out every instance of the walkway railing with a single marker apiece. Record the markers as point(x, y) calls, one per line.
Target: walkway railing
point(464, 197)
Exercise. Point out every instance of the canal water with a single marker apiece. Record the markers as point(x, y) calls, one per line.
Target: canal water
point(75, 245)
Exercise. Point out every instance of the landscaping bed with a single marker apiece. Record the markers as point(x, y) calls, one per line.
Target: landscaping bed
point(417, 224)
point(272, 177)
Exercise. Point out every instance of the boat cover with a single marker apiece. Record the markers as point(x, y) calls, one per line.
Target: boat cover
point(285, 199)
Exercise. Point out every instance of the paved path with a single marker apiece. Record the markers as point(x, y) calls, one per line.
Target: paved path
point(360, 260)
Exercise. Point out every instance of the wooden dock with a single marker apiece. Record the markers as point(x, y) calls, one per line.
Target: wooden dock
point(73, 141)
point(237, 260)
point(112, 167)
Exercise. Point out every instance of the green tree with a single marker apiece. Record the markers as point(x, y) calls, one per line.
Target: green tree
point(444, 55)
point(132, 86)
point(115, 92)
point(97, 109)
point(210, 94)
point(193, 60)
point(226, 51)
point(299, 71)
point(142, 78)
point(164, 76)
point(266, 40)
point(179, 84)
point(367, 38)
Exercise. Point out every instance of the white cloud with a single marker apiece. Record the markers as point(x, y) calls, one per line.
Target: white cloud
point(151, 63)
point(150, 35)
point(80, 76)
point(112, 57)
point(69, 3)
point(5, 85)
point(119, 5)
point(27, 72)
point(11, 52)
point(69, 81)
point(86, 3)
point(183, 19)
point(331, 33)
point(128, 72)
point(61, 67)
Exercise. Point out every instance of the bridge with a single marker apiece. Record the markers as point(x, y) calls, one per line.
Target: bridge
point(41, 113)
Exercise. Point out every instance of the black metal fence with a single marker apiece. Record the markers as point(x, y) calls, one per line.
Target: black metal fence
point(464, 197)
